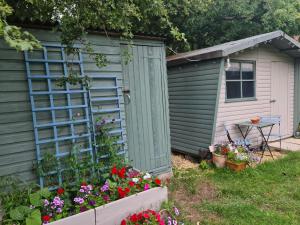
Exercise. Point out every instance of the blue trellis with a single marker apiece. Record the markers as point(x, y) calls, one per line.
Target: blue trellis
point(50, 78)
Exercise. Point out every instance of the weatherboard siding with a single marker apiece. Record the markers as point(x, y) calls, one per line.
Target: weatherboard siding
point(297, 94)
point(232, 112)
point(192, 97)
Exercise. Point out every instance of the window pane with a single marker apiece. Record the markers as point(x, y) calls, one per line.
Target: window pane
point(233, 73)
point(233, 89)
point(248, 89)
point(247, 71)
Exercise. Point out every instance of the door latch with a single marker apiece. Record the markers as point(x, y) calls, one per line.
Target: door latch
point(272, 101)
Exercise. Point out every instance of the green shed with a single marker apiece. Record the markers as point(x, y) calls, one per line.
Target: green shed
point(229, 83)
point(37, 115)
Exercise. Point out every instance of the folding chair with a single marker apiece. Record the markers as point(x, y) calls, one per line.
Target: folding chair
point(240, 141)
point(275, 120)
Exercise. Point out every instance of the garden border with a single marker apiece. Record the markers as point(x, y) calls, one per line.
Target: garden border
point(114, 212)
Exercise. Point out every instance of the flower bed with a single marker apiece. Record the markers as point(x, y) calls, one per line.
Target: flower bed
point(88, 200)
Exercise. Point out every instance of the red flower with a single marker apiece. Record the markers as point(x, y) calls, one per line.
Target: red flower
point(126, 190)
point(146, 216)
point(123, 222)
point(131, 183)
point(157, 181)
point(46, 218)
point(60, 191)
point(122, 193)
point(122, 172)
point(83, 184)
point(134, 218)
point(114, 170)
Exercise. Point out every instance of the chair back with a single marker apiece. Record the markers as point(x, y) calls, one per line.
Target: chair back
point(271, 119)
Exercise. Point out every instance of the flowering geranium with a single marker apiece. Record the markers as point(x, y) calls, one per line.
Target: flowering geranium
point(144, 217)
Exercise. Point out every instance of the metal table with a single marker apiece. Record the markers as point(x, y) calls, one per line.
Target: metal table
point(259, 126)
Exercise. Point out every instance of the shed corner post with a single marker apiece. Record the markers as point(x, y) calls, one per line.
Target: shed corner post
point(221, 72)
point(297, 94)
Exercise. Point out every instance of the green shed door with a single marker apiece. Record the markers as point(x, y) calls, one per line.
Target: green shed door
point(146, 103)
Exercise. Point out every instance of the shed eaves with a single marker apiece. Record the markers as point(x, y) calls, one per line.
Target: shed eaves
point(278, 39)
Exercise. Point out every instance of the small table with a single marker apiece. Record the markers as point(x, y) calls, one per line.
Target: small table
point(259, 126)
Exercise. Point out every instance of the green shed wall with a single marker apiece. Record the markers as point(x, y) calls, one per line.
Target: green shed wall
point(193, 91)
point(17, 147)
point(297, 94)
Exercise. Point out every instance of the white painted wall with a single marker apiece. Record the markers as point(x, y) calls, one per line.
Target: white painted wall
point(240, 111)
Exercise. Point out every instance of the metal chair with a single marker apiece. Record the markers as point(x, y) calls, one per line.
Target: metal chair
point(275, 120)
point(237, 142)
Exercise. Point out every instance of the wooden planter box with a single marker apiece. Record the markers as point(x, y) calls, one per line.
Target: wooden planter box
point(113, 213)
point(236, 166)
point(219, 160)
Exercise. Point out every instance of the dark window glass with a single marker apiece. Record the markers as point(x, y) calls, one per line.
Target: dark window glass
point(233, 89)
point(248, 89)
point(247, 71)
point(233, 73)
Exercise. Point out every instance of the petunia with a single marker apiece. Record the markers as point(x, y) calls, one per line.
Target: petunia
point(114, 170)
point(60, 191)
point(147, 187)
point(123, 222)
point(157, 181)
point(147, 176)
point(176, 211)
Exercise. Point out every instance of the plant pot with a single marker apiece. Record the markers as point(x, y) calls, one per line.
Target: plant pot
point(297, 134)
point(236, 166)
point(219, 160)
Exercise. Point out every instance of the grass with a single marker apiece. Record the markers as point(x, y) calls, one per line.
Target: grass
point(268, 194)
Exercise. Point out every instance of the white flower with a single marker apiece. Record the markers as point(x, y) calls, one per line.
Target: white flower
point(236, 151)
point(135, 180)
point(147, 176)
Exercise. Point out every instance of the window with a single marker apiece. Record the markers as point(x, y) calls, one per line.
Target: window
point(240, 81)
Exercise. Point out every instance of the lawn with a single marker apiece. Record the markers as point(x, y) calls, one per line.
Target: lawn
point(268, 194)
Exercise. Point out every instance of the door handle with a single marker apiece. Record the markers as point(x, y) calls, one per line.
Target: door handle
point(272, 101)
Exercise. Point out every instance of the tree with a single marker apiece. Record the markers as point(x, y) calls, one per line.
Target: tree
point(226, 20)
point(75, 18)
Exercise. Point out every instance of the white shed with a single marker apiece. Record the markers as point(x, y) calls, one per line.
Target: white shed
point(233, 82)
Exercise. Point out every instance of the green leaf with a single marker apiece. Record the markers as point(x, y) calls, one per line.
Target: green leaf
point(45, 193)
point(35, 199)
point(19, 213)
point(34, 218)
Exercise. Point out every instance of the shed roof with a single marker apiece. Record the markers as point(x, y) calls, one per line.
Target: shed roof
point(278, 39)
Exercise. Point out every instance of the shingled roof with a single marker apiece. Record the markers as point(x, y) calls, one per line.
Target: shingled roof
point(278, 39)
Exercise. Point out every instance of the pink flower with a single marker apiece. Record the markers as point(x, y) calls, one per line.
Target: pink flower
point(147, 187)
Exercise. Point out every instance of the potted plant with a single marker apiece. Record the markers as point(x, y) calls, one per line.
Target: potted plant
point(297, 132)
point(219, 155)
point(237, 160)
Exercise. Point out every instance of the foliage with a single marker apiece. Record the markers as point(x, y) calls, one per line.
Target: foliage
point(214, 22)
point(107, 146)
point(221, 150)
point(266, 194)
point(13, 35)
point(47, 206)
point(204, 165)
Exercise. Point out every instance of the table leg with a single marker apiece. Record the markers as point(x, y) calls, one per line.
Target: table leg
point(249, 128)
point(265, 140)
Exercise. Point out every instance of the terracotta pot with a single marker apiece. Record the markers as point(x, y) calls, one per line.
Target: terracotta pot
point(255, 120)
point(236, 166)
point(219, 160)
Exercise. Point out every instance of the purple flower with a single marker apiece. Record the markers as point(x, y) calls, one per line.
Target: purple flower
point(169, 220)
point(176, 211)
point(105, 187)
point(83, 208)
point(59, 210)
point(146, 187)
point(79, 200)
point(174, 222)
point(92, 203)
point(106, 198)
point(81, 190)
point(46, 202)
